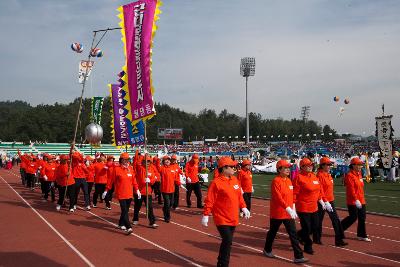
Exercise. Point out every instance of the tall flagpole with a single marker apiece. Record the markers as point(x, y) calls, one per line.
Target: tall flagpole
point(145, 160)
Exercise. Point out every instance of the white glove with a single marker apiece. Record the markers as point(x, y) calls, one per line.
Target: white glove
point(328, 207)
point(204, 220)
point(188, 180)
point(139, 196)
point(294, 208)
point(45, 177)
point(291, 212)
point(147, 180)
point(252, 189)
point(246, 213)
point(241, 189)
point(358, 204)
point(184, 188)
point(52, 184)
point(103, 196)
point(322, 204)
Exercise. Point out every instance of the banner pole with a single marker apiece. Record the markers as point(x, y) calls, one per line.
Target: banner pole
point(145, 158)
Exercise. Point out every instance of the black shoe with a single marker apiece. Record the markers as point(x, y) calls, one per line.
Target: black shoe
point(300, 240)
point(301, 260)
point(166, 220)
point(189, 206)
point(318, 242)
point(341, 243)
point(309, 251)
point(200, 207)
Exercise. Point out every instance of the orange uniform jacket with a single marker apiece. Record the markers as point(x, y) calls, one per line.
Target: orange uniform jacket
point(307, 192)
point(90, 176)
point(281, 197)
point(140, 177)
point(79, 170)
point(49, 169)
point(23, 162)
point(246, 180)
point(354, 187)
point(192, 171)
point(100, 173)
point(169, 177)
point(61, 175)
point(216, 173)
point(31, 167)
point(124, 180)
point(41, 164)
point(223, 200)
point(326, 181)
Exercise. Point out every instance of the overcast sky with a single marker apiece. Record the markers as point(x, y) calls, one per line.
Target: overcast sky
point(306, 53)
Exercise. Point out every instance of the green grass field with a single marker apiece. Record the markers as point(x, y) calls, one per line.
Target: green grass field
point(381, 197)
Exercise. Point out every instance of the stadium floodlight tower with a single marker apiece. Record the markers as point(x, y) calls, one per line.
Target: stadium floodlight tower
point(247, 69)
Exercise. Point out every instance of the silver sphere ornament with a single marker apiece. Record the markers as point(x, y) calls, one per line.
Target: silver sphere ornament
point(93, 133)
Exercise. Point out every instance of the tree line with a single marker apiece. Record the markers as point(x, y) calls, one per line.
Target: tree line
point(19, 121)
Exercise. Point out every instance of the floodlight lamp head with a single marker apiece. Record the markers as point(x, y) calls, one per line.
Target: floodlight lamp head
point(247, 66)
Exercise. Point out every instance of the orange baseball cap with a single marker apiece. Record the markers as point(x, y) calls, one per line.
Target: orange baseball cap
point(356, 161)
point(76, 155)
point(226, 161)
point(124, 155)
point(166, 157)
point(174, 156)
point(195, 156)
point(305, 162)
point(326, 161)
point(64, 157)
point(110, 157)
point(283, 164)
point(246, 162)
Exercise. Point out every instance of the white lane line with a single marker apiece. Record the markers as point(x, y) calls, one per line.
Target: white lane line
point(146, 240)
point(366, 254)
point(51, 226)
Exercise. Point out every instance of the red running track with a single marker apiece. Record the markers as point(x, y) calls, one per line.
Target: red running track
point(33, 233)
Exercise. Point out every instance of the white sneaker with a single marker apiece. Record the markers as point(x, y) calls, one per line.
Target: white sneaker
point(94, 206)
point(71, 210)
point(129, 231)
point(366, 239)
point(269, 254)
point(122, 227)
point(87, 207)
point(135, 222)
point(108, 208)
point(58, 207)
point(74, 207)
point(154, 225)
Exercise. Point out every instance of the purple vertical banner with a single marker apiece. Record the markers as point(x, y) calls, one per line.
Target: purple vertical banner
point(120, 130)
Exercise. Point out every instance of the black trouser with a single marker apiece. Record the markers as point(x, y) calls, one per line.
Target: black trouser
point(109, 197)
point(81, 183)
point(290, 226)
point(90, 186)
point(197, 191)
point(138, 205)
point(337, 227)
point(98, 191)
point(247, 200)
point(30, 180)
point(48, 188)
point(124, 218)
point(355, 214)
point(23, 175)
point(157, 191)
point(226, 233)
point(168, 200)
point(42, 185)
point(309, 224)
point(176, 197)
point(70, 193)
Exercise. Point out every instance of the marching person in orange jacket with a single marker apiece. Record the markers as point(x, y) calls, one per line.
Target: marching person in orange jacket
point(142, 181)
point(157, 184)
point(90, 175)
point(124, 181)
point(282, 210)
point(192, 181)
point(65, 183)
point(245, 178)
point(31, 168)
point(48, 171)
point(355, 199)
point(110, 166)
point(307, 193)
point(326, 182)
point(100, 179)
point(41, 162)
point(169, 178)
point(80, 173)
point(175, 165)
point(22, 168)
point(223, 200)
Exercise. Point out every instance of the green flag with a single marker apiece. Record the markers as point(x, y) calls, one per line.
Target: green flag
point(97, 107)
